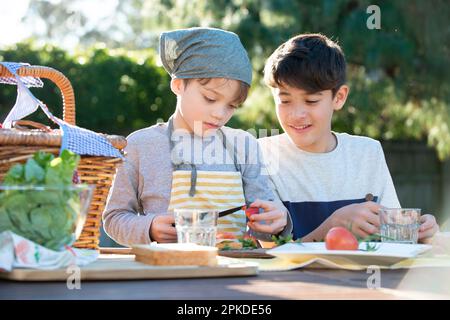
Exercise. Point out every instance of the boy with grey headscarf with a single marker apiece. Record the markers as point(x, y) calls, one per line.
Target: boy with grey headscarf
point(193, 161)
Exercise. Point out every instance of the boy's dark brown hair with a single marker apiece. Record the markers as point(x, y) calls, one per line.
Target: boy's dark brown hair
point(311, 62)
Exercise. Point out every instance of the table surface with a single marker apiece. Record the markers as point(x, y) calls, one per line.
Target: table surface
point(420, 283)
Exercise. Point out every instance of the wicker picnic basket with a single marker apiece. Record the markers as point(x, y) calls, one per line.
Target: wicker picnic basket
point(17, 145)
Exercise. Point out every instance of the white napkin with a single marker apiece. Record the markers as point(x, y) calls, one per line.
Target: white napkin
point(26, 103)
point(19, 252)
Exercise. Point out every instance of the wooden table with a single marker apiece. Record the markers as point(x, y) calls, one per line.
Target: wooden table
point(422, 283)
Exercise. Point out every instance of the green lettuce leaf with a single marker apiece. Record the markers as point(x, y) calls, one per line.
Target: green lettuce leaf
point(45, 217)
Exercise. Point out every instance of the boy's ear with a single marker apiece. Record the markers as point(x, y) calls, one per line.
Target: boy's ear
point(177, 86)
point(340, 97)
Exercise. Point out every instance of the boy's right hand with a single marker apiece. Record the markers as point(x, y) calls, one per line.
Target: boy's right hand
point(162, 229)
point(362, 218)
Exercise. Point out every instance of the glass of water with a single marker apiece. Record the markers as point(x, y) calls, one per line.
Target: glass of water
point(196, 226)
point(400, 225)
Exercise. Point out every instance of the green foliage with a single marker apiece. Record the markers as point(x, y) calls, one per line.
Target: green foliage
point(47, 217)
point(399, 75)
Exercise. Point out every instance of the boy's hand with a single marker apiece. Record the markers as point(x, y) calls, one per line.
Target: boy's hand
point(162, 229)
point(274, 215)
point(428, 228)
point(362, 218)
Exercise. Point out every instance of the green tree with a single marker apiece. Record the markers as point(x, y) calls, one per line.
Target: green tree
point(399, 75)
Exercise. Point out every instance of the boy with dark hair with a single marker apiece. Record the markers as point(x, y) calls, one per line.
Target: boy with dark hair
point(324, 178)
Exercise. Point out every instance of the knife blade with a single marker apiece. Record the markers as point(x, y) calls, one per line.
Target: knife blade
point(232, 210)
point(227, 212)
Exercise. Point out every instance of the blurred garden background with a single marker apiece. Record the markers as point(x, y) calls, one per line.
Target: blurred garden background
point(398, 74)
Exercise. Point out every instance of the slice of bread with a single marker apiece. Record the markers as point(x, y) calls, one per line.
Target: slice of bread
point(175, 254)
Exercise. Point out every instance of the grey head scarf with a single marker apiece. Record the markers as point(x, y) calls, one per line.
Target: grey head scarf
point(204, 53)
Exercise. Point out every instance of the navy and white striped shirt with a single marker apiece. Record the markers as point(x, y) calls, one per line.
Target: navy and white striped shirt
point(314, 185)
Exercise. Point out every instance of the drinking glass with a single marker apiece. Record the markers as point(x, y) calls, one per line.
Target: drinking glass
point(196, 226)
point(400, 225)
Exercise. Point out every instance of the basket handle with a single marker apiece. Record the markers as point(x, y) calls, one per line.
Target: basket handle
point(56, 77)
point(20, 124)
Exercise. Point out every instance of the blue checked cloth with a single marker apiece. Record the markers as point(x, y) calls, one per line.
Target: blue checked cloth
point(75, 139)
point(27, 81)
point(83, 141)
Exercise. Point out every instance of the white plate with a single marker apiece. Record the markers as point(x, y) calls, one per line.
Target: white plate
point(386, 254)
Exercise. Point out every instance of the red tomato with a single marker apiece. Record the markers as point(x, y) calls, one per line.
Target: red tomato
point(225, 235)
point(247, 236)
point(339, 238)
point(250, 211)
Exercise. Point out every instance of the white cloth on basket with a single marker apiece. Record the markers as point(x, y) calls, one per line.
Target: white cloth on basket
point(26, 103)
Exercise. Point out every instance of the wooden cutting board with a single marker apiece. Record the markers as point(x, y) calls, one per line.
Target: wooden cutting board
point(123, 267)
point(259, 253)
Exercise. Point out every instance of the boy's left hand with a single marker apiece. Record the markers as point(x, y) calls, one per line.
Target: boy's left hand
point(274, 215)
point(428, 227)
